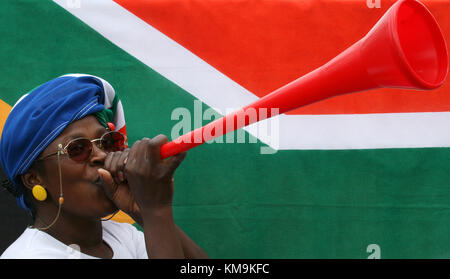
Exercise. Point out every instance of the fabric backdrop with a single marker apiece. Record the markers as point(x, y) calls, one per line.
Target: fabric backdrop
point(356, 176)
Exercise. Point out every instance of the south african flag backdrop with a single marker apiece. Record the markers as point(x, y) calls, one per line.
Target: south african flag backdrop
point(359, 176)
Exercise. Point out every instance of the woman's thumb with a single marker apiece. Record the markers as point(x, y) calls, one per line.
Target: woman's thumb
point(107, 182)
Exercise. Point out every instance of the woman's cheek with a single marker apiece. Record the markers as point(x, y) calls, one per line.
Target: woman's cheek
point(88, 199)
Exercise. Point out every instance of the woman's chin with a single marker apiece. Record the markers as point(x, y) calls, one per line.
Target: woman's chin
point(109, 207)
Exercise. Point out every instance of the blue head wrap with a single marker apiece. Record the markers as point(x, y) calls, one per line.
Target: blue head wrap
point(41, 115)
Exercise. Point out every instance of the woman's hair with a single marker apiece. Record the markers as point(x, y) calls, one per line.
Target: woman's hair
point(28, 200)
point(19, 191)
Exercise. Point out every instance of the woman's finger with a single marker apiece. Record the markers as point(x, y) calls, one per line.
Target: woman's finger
point(108, 160)
point(107, 182)
point(131, 160)
point(115, 165)
point(121, 165)
point(136, 160)
point(155, 148)
point(173, 162)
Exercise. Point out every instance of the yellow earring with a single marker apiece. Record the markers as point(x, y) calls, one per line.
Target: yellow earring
point(39, 193)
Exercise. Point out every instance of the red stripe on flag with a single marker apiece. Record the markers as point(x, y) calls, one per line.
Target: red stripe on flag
point(263, 45)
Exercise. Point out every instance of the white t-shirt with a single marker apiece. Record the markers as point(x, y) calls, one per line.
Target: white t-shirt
point(124, 239)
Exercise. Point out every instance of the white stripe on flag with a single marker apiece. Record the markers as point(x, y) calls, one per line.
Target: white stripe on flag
point(365, 131)
point(174, 62)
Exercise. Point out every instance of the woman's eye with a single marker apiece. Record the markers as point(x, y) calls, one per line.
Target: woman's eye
point(76, 148)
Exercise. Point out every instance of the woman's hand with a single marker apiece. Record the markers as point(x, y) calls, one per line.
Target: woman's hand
point(141, 184)
point(138, 178)
point(150, 178)
point(116, 186)
point(141, 179)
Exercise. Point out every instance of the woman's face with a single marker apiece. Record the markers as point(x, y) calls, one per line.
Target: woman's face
point(83, 193)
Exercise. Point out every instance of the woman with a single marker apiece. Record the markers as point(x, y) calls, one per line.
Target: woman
point(69, 167)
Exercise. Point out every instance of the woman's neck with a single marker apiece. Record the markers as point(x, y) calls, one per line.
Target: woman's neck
point(86, 233)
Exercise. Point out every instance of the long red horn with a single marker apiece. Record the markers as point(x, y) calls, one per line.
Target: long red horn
point(405, 49)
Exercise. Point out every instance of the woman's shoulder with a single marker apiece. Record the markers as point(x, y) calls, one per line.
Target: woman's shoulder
point(34, 244)
point(114, 226)
point(125, 240)
point(121, 231)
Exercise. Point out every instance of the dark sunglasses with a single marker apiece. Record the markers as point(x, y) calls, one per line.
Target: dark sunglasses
point(80, 149)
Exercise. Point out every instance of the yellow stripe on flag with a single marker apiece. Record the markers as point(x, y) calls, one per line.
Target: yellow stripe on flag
point(4, 111)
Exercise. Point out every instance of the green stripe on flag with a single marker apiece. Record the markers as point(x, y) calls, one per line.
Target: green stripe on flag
point(233, 201)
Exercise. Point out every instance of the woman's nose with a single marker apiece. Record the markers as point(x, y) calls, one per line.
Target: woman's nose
point(98, 156)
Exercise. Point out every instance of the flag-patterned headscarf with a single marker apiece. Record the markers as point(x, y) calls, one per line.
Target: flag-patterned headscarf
point(42, 114)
